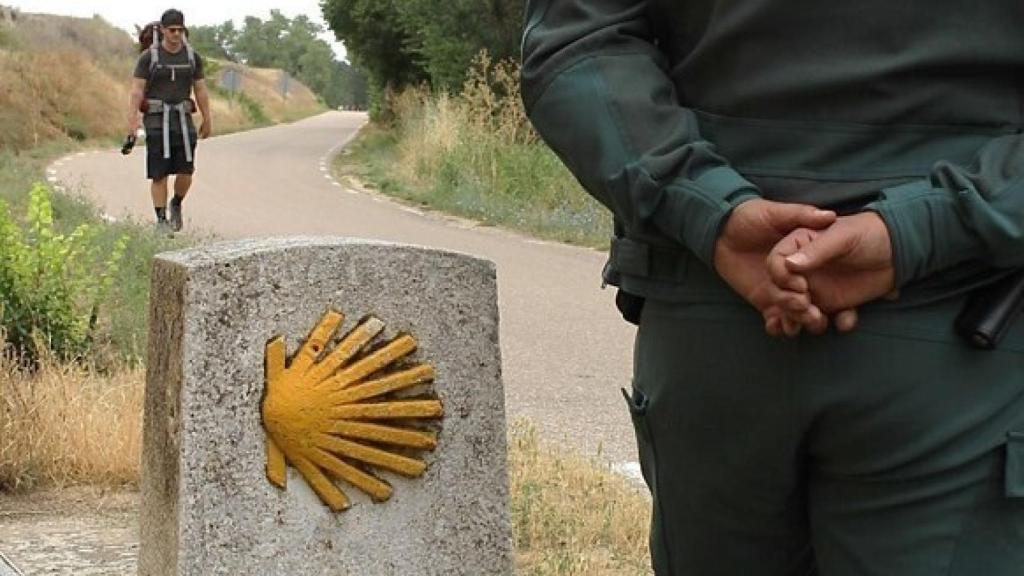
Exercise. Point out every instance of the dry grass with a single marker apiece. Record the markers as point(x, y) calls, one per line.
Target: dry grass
point(52, 95)
point(62, 78)
point(573, 515)
point(261, 86)
point(102, 42)
point(67, 425)
point(475, 155)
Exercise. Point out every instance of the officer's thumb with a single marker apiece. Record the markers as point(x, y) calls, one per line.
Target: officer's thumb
point(788, 217)
point(826, 247)
point(846, 320)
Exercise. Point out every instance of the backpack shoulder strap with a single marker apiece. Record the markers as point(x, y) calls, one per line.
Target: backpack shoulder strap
point(191, 57)
point(154, 50)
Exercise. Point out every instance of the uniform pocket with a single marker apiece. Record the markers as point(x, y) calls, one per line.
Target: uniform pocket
point(991, 541)
point(637, 403)
point(1013, 481)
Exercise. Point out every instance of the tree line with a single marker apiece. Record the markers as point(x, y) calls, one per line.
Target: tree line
point(404, 42)
point(290, 44)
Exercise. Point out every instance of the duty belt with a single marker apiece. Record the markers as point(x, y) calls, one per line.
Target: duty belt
point(183, 109)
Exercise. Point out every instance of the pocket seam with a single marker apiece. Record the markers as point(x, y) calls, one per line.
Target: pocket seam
point(1013, 472)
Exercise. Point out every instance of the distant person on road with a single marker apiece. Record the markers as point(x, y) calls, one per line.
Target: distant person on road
point(166, 74)
point(790, 167)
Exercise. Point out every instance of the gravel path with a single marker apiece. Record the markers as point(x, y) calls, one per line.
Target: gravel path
point(80, 531)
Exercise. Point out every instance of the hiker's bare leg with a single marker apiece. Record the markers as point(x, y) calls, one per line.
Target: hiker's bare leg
point(158, 189)
point(182, 182)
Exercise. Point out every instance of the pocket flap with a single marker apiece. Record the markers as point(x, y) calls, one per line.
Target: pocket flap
point(637, 401)
point(1014, 465)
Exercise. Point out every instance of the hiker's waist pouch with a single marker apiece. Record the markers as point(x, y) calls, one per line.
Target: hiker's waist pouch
point(155, 106)
point(184, 110)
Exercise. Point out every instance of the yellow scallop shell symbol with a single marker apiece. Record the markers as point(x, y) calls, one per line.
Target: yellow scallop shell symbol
point(329, 413)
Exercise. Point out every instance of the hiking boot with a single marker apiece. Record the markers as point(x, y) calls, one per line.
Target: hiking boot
point(174, 216)
point(163, 228)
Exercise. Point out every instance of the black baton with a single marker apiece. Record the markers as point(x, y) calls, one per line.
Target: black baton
point(989, 312)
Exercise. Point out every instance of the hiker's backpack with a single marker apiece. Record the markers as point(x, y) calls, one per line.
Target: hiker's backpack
point(149, 39)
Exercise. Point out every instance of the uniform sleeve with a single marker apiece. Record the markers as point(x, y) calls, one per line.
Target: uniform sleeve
point(959, 213)
point(142, 66)
point(596, 87)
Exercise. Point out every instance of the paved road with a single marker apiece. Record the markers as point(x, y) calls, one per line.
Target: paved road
point(565, 351)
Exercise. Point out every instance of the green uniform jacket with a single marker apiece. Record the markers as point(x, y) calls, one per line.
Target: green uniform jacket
point(673, 112)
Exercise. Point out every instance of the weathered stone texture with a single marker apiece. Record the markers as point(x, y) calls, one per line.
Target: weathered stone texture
point(207, 505)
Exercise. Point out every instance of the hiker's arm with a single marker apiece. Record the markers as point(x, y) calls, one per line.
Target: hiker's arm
point(203, 100)
point(136, 94)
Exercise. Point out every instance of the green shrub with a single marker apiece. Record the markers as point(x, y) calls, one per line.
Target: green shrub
point(51, 284)
point(253, 109)
point(475, 154)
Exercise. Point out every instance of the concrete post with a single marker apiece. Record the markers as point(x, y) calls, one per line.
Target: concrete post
point(218, 315)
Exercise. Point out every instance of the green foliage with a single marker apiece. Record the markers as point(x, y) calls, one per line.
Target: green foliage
point(75, 127)
point(476, 155)
point(213, 41)
point(348, 88)
point(252, 109)
point(211, 70)
point(377, 40)
point(291, 45)
point(51, 284)
point(401, 43)
point(446, 46)
point(122, 330)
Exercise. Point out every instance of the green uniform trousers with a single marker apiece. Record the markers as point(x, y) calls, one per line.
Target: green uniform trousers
point(895, 450)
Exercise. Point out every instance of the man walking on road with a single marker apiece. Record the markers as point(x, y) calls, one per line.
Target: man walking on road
point(789, 167)
point(166, 74)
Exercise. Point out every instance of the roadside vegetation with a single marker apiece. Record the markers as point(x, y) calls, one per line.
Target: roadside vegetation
point(573, 515)
point(449, 130)
point(67, 424)
point(474, 154)
point(72, 356)
point(286, 44)
point(66, 85)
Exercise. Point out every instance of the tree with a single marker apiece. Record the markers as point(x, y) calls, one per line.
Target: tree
point(289, 44)
point(214, 41)
point(349, 88)
point(376, 40)
point(402, 42)
point(446, 46)
point(259, 43)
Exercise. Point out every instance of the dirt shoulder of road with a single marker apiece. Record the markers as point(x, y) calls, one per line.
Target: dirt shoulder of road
point(82, 530)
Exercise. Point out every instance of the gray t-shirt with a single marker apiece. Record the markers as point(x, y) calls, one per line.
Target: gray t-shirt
point(171, 81)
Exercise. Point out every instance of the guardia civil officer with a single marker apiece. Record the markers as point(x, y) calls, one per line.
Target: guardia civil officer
point(843, 173)
point(167, 74)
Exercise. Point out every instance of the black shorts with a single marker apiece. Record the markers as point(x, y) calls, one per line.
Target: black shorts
point(158, 167)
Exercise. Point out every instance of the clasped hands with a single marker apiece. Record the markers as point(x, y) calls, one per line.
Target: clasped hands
point(804, 268)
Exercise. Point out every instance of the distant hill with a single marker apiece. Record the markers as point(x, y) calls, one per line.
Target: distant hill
point(67, 77)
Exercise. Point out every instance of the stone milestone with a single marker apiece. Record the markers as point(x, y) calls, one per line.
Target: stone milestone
point(324, 406)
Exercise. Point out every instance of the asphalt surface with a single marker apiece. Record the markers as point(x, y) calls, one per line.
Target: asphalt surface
point(565, 351)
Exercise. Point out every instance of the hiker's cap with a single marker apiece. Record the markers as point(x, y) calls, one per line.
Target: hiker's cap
point(172, 17)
